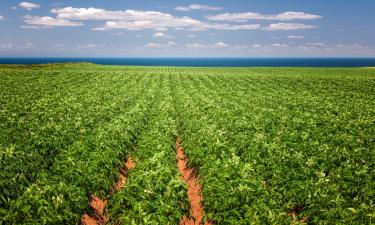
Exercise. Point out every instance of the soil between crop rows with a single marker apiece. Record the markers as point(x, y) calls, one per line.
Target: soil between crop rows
point(98, 205)
point(194, 189)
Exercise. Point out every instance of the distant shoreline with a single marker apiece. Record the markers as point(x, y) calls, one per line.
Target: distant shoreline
point(204, 62)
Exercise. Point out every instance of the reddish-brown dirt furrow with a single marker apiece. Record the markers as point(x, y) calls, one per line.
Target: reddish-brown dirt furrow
point(128, 165)
point(193, 192)
point(98, 205)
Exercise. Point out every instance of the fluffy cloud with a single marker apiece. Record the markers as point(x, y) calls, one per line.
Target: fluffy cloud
point(153, 45)
point(147, 24)
point(198, 45)
point(28, 5)
point(161, 35)
point(230, 26)
point(196, 7)
point(48, 22)
point(178, 24)
point(102, 14)
point(1, 17)
point(244, 17)
point(156, 45)
point(295, 37)
point(154, 20)
point(278, 45)
point(288, 26)
point(220, 45)
point(138, 20)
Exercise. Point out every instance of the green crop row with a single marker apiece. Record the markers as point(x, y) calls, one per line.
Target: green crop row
point(154, 192)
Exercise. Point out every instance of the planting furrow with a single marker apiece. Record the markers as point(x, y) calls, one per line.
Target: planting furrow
point(154, 192)
point(98, 206)
point(193, 189)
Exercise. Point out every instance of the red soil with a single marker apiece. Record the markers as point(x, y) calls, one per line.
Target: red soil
point(193, 192)
point(98, 205)
point(87, 220)
point(128, 165)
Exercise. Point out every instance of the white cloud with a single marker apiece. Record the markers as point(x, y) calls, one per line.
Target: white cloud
point(295, 37)
point(350, 46)
point(138, 20)
point(1, 18)
point(288, 26)
point(35, 22)
point(220, 45)
point(171, 43)
point(264, 47)
point(199, 45)
point(161, 35)
point(89, 46)
point(244, 17)
point(102, 14)
point(176, 23)
point(218, 26)
point(315, 45)
point(196, 7)
point(153, 45)
point(192, 35)
point(33, 27)
point(28, 5)
point(13, 8)
point(279, 45)
point(59, 47)
point(195, 45)
point(157, 45)
point(27, 45)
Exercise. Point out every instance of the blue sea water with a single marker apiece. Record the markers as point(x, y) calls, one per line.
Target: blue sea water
point(207, 62)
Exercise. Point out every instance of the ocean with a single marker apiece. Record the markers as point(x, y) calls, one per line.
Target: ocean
point(207, 62)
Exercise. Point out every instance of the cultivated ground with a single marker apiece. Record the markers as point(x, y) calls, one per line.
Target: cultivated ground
point(83, 143)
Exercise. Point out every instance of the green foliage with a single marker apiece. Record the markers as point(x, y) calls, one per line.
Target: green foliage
point(154, 192)
point(271, 145)
point(270, 141)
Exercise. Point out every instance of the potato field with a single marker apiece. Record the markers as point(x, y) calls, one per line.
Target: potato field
point(91, 144)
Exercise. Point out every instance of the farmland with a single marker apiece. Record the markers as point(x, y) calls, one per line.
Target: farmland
point(264, 145)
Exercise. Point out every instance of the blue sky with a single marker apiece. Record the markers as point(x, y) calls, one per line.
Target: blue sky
point(167, 28)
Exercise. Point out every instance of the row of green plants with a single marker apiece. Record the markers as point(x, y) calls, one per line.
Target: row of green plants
point(154, 192)
point(274, 146)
